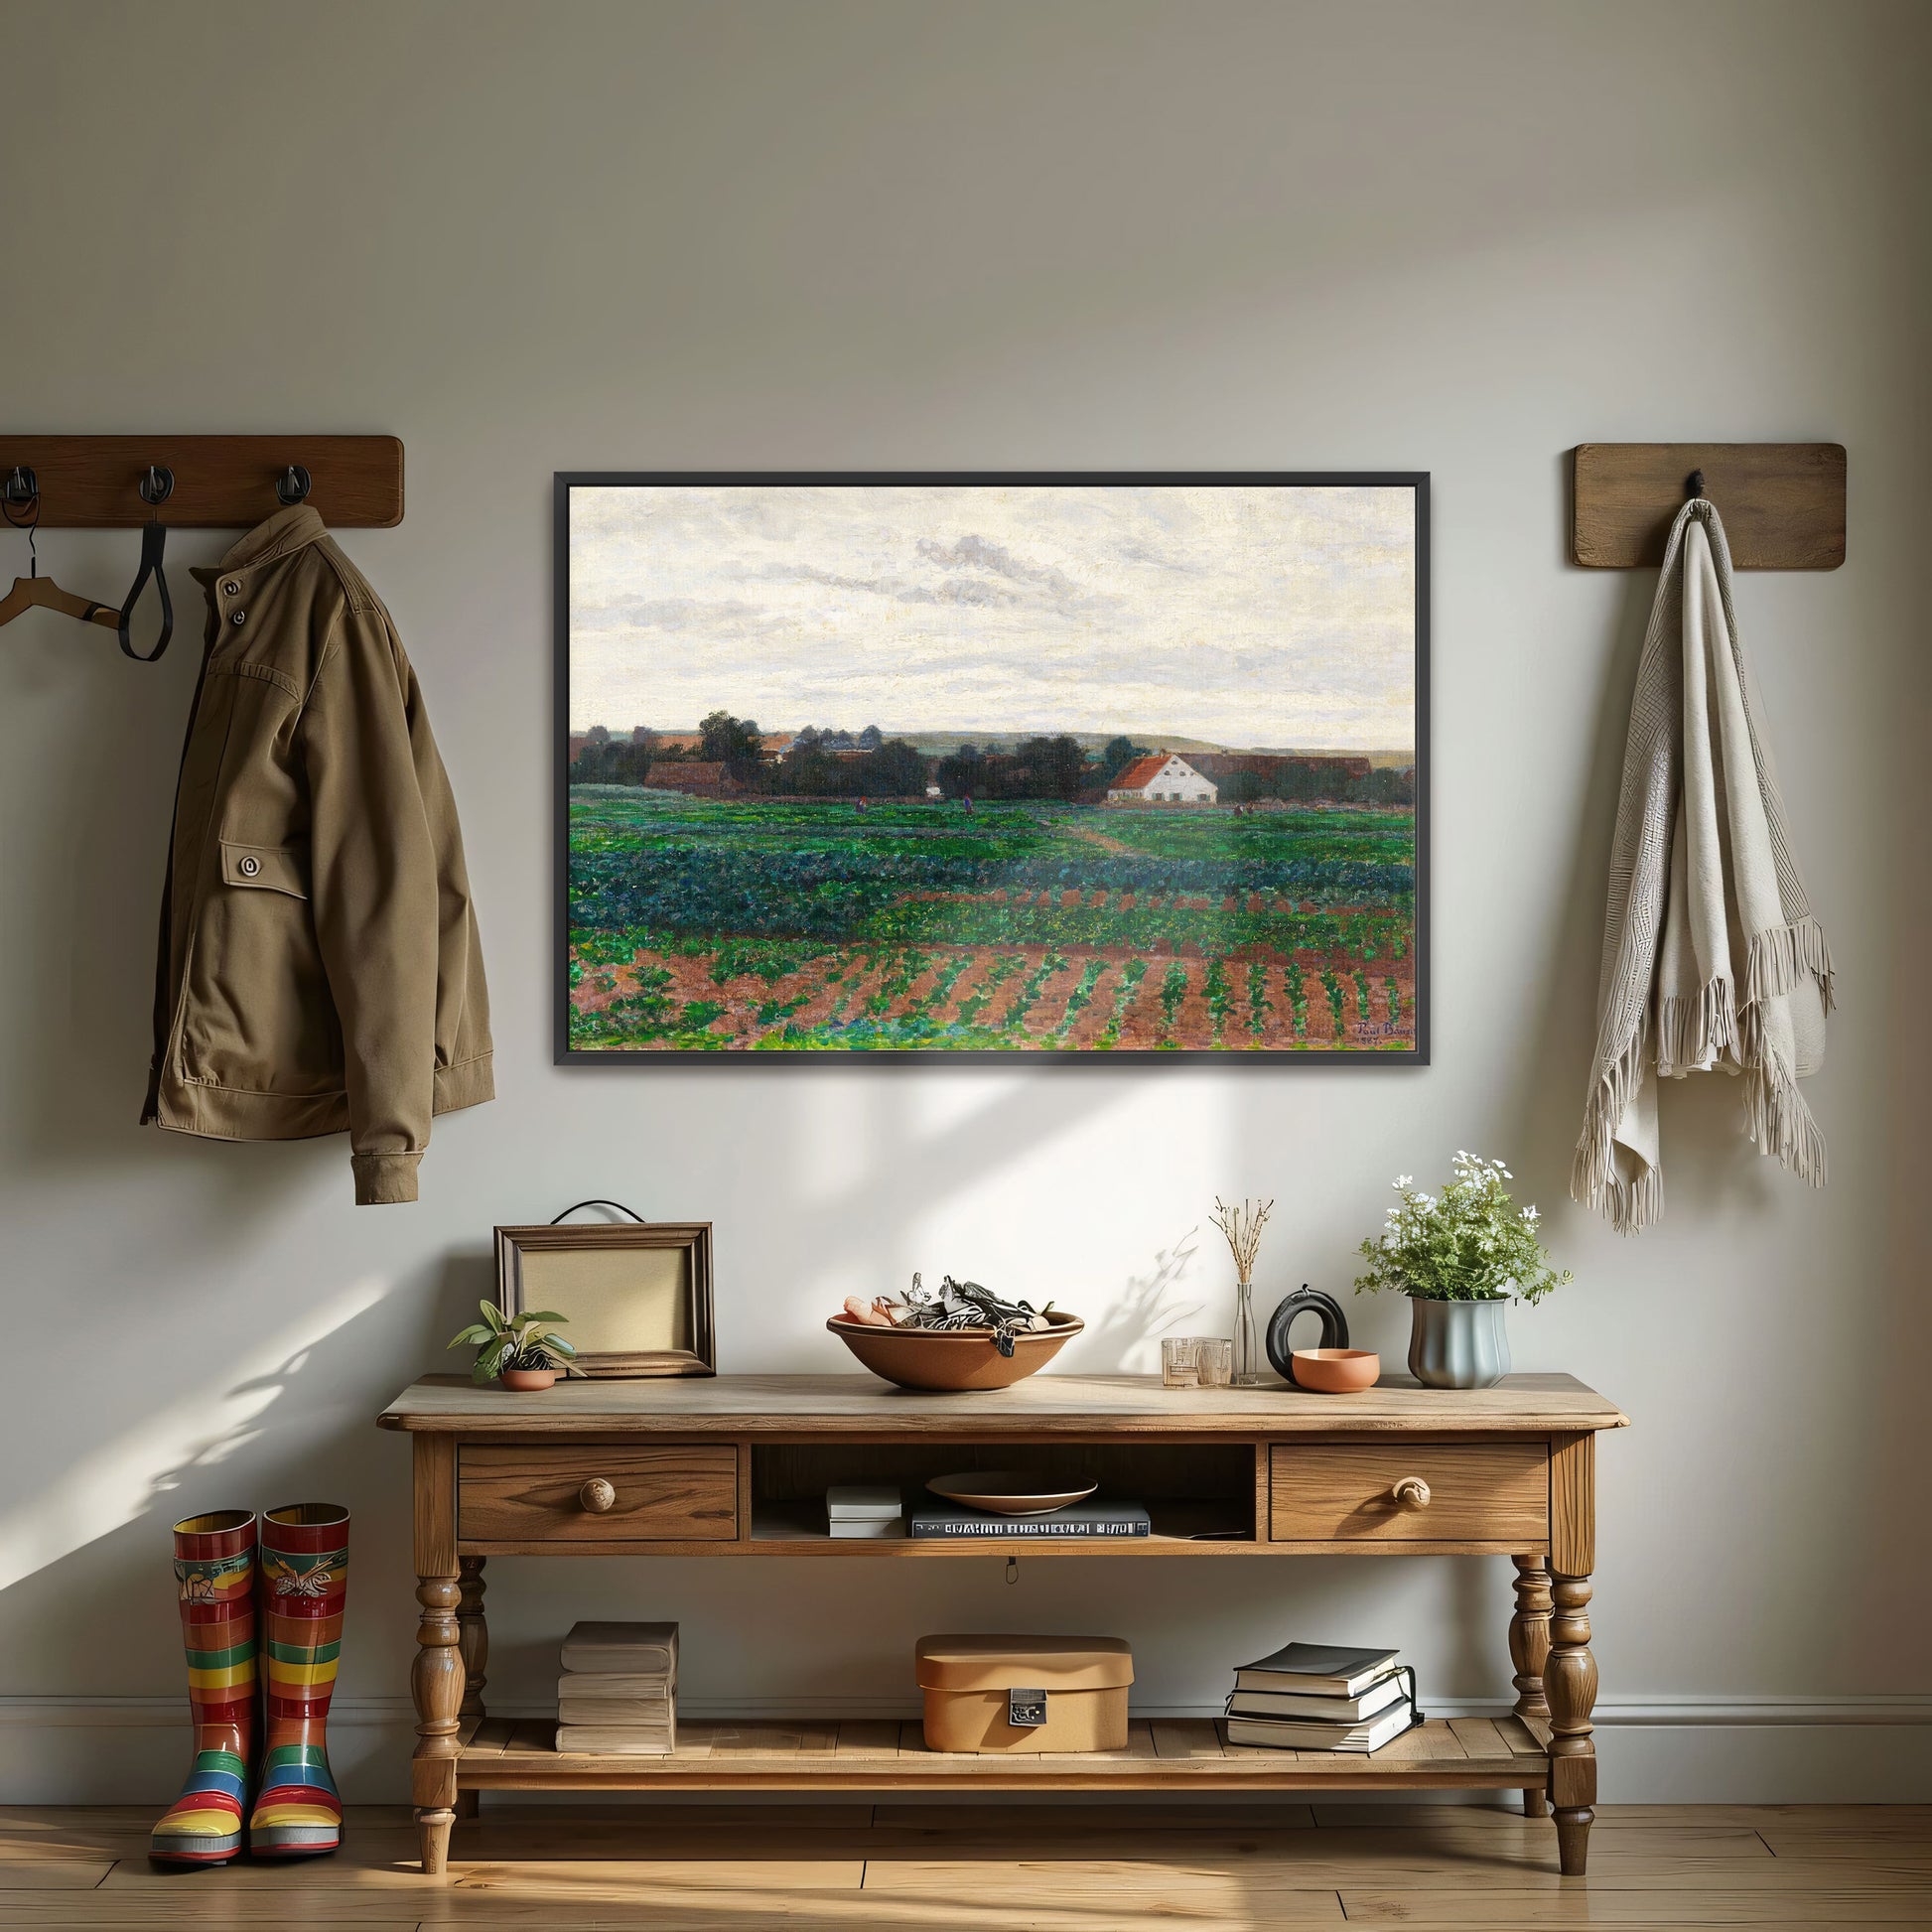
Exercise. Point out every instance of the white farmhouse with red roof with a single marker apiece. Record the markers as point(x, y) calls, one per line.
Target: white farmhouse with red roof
point(1161, 781)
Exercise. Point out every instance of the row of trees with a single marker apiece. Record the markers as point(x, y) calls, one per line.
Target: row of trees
point(820, 764)
point(1300, 781)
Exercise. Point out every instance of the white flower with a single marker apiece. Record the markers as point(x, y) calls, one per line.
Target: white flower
point(1530, 1214)
point(1404, 1179)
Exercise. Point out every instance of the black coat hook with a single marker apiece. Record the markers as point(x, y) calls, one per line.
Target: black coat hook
point(292, 485)
point(1694, 485)
point(154, 489)
point(21, 487)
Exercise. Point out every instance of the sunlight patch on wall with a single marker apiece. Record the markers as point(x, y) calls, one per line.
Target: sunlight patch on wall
point(127, 1475)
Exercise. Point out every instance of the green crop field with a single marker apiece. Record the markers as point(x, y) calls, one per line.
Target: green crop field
point(789, 924)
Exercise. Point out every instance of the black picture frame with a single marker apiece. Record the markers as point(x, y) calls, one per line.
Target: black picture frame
point(1415, 481)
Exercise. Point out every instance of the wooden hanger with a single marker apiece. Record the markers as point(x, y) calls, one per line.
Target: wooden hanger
point(21, 492)
point(43, 593)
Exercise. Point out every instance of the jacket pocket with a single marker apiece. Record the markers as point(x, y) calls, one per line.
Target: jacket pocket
point(259, 1018)
point(275, 867)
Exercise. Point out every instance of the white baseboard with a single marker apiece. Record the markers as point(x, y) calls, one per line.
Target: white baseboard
point(1651, 1749)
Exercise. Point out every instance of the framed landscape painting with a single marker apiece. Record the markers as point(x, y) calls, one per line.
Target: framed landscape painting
point(993, 766)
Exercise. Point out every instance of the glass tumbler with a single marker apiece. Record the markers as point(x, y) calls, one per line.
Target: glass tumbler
point(1215, 1363)
point(1179, 1362)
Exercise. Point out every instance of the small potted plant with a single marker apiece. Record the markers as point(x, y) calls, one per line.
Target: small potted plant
point(1460, 1258)
point(524, 1351)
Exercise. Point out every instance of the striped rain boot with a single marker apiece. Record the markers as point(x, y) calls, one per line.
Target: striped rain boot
point(214, 1575)
point(304, 1580)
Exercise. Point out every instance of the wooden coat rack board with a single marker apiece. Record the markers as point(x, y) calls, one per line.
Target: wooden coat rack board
point(1782, 503)
point(221, 483)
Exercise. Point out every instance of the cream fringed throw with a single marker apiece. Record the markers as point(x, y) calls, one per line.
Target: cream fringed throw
point(1711, 959)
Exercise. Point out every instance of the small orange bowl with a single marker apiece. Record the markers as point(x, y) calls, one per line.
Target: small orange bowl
point(1336, 1371)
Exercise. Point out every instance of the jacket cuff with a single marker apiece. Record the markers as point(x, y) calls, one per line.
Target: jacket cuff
point(384, 1178)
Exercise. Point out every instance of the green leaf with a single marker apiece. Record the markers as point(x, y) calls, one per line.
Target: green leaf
point(491, 1359)
point(492, 1315)
point(558, 1345)
point(475, 1334)
point(547, 1314)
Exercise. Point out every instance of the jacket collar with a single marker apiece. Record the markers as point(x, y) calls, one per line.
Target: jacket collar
point(288, 531)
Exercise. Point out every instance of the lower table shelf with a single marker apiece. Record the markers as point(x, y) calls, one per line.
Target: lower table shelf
point(1163, 1753)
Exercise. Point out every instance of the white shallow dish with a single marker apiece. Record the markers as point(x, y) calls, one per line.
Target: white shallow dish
point(1008, 1492)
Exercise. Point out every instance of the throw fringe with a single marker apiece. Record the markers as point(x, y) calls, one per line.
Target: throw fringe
point(1781, 955)
point(1696, 1030)
point(1779, 1121)
point(1595, 1179)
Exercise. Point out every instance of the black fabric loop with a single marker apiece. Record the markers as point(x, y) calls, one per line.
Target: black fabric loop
point(599, 1201)
point(154, 541)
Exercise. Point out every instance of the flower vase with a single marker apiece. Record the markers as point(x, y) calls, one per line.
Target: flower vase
point(1457, 1344)
point(1247, 1344)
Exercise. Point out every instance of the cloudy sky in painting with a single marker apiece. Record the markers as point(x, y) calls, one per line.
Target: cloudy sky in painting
point(1248, 617)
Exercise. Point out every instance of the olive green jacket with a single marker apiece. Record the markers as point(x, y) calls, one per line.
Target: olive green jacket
point(319, 966)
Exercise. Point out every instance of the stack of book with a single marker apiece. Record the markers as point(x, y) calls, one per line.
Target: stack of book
point(618, 1690)
point(865, 1509)
point(1319, 1696)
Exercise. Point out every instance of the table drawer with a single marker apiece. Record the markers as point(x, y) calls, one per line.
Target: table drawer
point(589, 1493)
point(1410, 1492)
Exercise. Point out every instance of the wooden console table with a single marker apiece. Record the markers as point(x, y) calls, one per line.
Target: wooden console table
point(738, 1466)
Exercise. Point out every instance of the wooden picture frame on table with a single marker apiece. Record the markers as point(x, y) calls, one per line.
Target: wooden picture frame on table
point(636, 1296)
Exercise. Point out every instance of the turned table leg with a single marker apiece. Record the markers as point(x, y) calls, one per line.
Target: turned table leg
point(1529, 1646)
point(473, 1647)
point(1569, 1683)
point(436, 1679)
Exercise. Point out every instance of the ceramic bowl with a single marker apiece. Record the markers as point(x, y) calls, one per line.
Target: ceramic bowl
point(1336, 1371)
point(1008, 1492)
point(953, 1358)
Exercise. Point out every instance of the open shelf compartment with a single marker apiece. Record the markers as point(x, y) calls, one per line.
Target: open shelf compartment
point(1199, 1496)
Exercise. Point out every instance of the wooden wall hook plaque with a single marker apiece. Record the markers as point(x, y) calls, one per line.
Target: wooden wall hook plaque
point(221, 483)
point(1782, 503)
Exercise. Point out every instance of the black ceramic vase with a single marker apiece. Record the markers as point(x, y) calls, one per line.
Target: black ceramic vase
point(1334, 1326)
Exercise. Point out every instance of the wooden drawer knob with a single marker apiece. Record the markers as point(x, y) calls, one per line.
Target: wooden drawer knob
point(597, 1495)
point(1412, 1492)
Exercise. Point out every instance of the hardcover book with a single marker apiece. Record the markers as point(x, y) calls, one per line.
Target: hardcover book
point(599, 1684)
point(1398, 1682)
point(615, 1740)
point(1290, 1734)
point(640, 1647)
point(939, 1518)
point(1325, 1669)
point(846, 1501)
point(640, 1714)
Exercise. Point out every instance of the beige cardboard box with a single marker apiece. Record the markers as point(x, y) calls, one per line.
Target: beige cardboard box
point(1025, 1694)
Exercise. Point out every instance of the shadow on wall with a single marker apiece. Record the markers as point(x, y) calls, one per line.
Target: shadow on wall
point(87, 1559)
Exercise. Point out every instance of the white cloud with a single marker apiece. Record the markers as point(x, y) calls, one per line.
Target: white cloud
point(1245, 615)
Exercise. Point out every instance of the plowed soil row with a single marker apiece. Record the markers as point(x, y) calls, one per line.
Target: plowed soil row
point(839, 987)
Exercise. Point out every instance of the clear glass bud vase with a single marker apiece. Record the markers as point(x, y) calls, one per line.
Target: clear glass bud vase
point(1247, 1344)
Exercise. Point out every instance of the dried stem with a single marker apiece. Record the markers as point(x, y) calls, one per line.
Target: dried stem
point(1242, 1225)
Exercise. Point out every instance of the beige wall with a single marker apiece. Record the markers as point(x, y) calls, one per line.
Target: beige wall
point(1457, 237)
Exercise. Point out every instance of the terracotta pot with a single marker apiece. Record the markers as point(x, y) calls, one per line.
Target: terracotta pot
point(952, 1359)
point(1336, 1371)
point(526, 1381)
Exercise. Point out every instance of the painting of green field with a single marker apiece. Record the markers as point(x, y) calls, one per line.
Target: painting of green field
point(1009, 767)
point(784, 924)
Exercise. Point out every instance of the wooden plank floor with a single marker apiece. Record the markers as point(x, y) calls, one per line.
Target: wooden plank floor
point(938, 1866)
